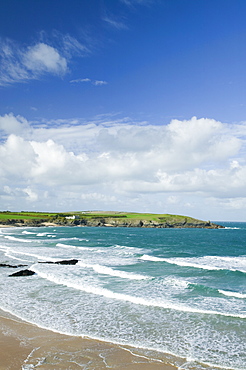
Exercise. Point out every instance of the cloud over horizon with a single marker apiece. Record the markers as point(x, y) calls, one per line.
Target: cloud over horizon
point(110, 163)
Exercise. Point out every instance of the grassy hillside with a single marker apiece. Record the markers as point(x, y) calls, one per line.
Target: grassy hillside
point(134, 216)
point(94, 215)
point(5, 215)
point(99, 218)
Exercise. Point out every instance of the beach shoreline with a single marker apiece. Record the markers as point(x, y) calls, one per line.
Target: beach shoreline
point(26, 346)
point(131, 327)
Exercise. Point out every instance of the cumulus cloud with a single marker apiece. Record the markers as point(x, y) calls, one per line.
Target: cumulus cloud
point(31, 195)
point(11, 124)
point(108, 161)
point(20, 64)
point(44, 58)
point(16, 159)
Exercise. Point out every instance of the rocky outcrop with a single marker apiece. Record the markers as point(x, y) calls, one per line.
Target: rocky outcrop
point(27, 272)
point(11, 266)
point(64, 262)
point(23, 273)
point(23, 222)
point(162, 222)
point(111, 222)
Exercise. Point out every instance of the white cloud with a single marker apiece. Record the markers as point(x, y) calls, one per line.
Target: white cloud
point(11, 65)
point(98, 197)
point(71, 46)
point(99, 83)
point(44, 58)
point(16, 160)
point(200, 140)
point(11, 124)
point(172, 199)
point(7, 189)
point(20, 64)
point(113, 22)
point(32, 196)
point(124, 163)
point(81, 80)
point(93, 82)
point(233, 203)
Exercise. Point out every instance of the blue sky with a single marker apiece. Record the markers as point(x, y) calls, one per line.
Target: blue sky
point(125, 105)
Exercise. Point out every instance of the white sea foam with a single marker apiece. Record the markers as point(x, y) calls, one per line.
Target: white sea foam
point(206, 262)
point(231, 228)
point(192, 364)
point(13, 238)
point(118, 246)
point(71, 246)
point(232, 294)
point(74, 238)
point(9, 255)
point(34, 255)
point(65, 245)
point(109, 271)
point(28, 232)
point(177, 283)
point(42, 234)
point(93, 337)
point(7, 252)
point(79, 285)
point(185, 366)
point(125, 250)
point(146, 257)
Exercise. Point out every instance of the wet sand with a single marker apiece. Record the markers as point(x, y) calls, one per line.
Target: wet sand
point(25, 346)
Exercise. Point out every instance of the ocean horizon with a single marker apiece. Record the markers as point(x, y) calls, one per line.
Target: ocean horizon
point(180, 292)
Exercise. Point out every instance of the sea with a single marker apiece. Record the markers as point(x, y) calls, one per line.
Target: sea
point(180, 292)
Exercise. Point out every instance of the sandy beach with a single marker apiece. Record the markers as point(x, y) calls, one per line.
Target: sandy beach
point(26, 346)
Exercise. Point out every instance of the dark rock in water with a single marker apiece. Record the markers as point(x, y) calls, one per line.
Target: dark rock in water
point(67, 262)
point(64, 262)
point(12, 266)
point(23, 273)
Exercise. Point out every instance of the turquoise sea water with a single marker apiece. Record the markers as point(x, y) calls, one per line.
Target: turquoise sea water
point(177, 291)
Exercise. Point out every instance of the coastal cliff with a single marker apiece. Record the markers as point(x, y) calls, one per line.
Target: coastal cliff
point(105, 219)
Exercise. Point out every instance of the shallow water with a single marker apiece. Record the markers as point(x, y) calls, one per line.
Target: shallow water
point(177, 291)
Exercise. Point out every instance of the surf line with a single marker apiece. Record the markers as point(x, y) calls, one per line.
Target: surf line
point(127, 298)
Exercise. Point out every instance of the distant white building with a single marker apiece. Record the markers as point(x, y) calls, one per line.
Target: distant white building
point(72, 217)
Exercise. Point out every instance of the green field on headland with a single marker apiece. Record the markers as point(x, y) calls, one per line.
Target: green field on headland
point(4, 215)
point(100, 218)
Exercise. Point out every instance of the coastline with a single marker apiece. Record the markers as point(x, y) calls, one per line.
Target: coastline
point(44, 224)
point(28, 348)
point(25, 346)
point(146, 225)
point(103, 219)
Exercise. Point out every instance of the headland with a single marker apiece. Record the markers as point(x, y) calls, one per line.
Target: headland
point(102, 219)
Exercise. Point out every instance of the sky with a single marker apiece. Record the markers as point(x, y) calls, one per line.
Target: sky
point(125, 105)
